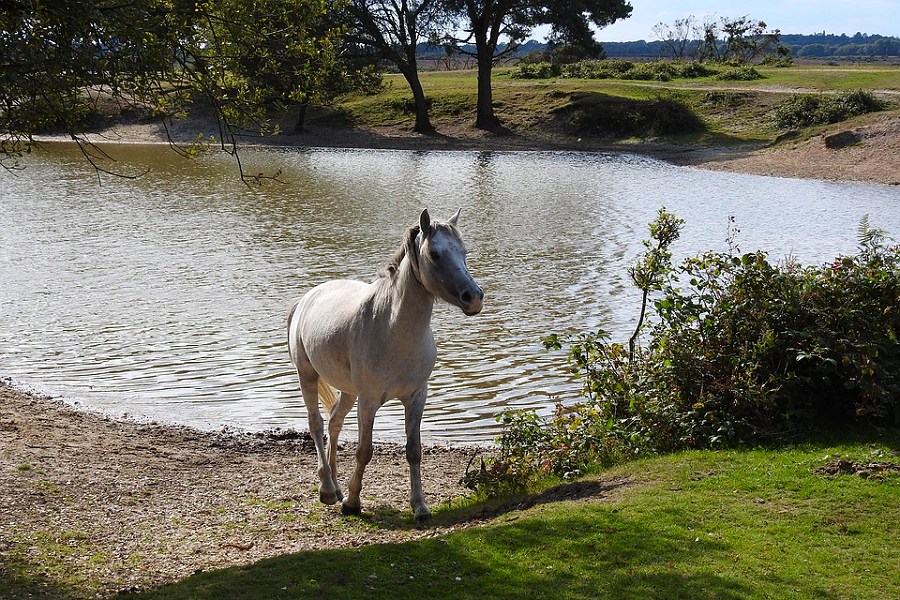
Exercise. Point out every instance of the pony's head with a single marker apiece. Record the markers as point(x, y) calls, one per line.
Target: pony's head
point(441, 264)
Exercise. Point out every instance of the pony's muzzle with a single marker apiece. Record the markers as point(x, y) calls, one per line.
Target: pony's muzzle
point(471, 301)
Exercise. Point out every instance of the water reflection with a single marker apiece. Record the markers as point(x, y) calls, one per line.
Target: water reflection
point(166, 296)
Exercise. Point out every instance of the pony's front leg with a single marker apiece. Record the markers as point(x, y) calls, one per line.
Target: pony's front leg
point(366, 417)
point(414, 407)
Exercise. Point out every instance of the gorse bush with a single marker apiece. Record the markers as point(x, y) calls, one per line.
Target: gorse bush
point(540, 70)
point(741, 73)
point(806, 110)
point(615, 69)
point(740, 351)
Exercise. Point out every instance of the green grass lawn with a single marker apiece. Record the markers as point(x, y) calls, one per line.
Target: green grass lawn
point(718, 525)
point(829, 78)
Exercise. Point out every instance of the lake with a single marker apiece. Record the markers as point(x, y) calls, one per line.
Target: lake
point(164, 297)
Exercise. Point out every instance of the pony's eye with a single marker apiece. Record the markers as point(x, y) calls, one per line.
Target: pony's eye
point(435, 255)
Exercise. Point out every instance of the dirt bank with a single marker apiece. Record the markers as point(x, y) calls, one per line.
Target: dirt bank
point(867, 149)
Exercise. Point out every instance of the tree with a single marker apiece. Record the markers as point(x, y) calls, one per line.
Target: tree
point(280, 53)
point(393, 29)
point(708, 49)
point(746, 40)
point(487, 22)
point(58, 59)
point(677, 38)
point(62, 60)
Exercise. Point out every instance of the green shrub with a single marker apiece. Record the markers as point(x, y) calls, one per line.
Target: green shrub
point(751, 351)
point(540, 70)
point(598, 114)
point(692, 70)
point(597, 69)
point(742, 73)
point(644, 71)
point(648, 72)
point(565, 445)
point(806, 110)
point(777, 60)
point(741, 351)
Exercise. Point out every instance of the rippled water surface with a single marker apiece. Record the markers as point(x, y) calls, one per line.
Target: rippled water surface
point(165, 296)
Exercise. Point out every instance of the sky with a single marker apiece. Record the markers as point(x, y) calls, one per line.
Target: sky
point(790, 16)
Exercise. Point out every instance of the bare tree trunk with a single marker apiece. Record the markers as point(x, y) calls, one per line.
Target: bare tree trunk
point(484, 116)
point(301, 116)
point(423, 122)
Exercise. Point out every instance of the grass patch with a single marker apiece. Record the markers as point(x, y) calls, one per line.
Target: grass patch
point(706, 110)
point(842, 77)
point(42, 569)
point(699, 524)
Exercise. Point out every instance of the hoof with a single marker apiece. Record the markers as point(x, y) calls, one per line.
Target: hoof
point(350, 511)
point(329, 498)
point(422, 516)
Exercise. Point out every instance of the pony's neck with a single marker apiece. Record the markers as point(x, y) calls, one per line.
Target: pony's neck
point(411, 304)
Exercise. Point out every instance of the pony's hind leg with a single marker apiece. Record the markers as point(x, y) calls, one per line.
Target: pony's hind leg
point(309, 385)
point(335, 424)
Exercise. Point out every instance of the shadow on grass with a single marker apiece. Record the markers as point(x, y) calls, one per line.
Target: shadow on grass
point(593, 113)
point(392, 518)
point(584, 553)
point(18, 580)
point(666, 123)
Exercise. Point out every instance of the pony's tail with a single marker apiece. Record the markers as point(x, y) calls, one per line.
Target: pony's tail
point(327, 396)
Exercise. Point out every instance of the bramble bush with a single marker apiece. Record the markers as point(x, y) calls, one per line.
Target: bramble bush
point(740, 351)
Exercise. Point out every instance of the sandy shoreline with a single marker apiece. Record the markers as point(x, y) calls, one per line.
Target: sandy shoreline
point(162, 502)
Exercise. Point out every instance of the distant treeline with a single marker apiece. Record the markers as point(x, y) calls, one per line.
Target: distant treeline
point(814, 46)
point(819, 45)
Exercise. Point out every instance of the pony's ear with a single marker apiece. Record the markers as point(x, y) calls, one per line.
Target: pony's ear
point(425, 223)
point(455, 217)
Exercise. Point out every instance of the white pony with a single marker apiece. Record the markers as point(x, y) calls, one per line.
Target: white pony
point(373, 341)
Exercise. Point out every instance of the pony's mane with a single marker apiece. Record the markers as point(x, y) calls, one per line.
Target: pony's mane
point(408, 245)
point(389, 270)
